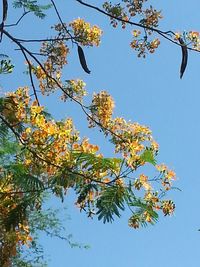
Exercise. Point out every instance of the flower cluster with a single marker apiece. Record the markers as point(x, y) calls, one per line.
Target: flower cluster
point(142, 181)
point(85, 147)
point(167, 176)
point(74, 89)
point(148, 18)
point(86, 34)
point(23, 234)
point(13, 234)
point(134, 6)
point(49, 73)
point(194, 38)
point(48, 76)
point(151, 17)
point(101, 109)
point(56, 52)
point(144, 217)
point(142, 45)
point(151, 196)
point(190, 38)
point(137, 147)
point(15, 106)
point(116, 11)
point(168, 207)
point(130, 139)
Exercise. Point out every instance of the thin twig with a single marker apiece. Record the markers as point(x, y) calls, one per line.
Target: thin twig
point(18, 21)
point(44, 40)
point(31, 77)
point(12, 129)
point(61, 21)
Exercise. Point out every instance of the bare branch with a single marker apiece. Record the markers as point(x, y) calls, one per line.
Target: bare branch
point(18, 21)
point(31, 77)
point(43, 40)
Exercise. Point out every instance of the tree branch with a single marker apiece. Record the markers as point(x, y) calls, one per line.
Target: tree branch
point(18, 21)
point(164, 34)
point(31, 77)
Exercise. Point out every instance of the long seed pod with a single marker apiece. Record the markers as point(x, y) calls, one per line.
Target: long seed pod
point(5, 10)
point(184, 56)
point(4, 16)
point(82, 59)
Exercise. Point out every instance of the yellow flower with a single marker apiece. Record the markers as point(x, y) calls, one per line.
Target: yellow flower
point(177, 35)
point(170, 175)
point(147, 216)
point(161, 167)
point(35, 109)
point(136, 33)
point(27, 162)
point(155, 145)
point(28, 130)
point(194, 35)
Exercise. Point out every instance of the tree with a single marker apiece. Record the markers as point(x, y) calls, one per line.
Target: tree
point(41, 155)
point(20, 220)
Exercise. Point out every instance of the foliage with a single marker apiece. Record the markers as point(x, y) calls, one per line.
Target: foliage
point(21, 214)
point(39, 154)
point(32, 6)
point(5, 65)
point(43, 221)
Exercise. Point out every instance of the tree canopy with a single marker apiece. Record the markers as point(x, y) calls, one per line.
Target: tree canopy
point(40, 155)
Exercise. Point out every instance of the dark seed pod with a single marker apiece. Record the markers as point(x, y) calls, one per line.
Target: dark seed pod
point(82, 59)
point(5, 10)
point(184, 56)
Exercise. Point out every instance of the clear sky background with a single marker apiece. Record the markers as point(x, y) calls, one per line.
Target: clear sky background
point(150, 92)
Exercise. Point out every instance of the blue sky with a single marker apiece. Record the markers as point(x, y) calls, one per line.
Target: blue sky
point(150, 92)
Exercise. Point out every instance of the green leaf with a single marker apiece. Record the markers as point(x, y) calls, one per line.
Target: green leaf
point(23, 180)
point(84, 190)
point(142, 207)
point(65, 179)
point(110, 202)
point(6, 66)
point(148, 156)
point(92, 162)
